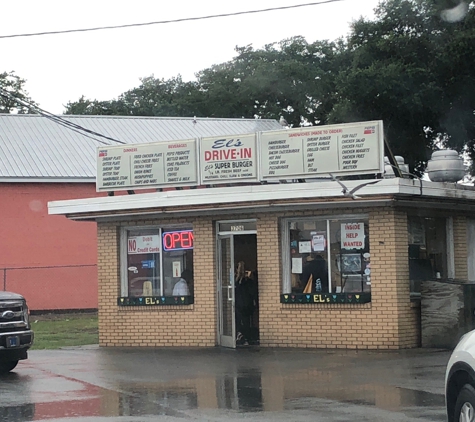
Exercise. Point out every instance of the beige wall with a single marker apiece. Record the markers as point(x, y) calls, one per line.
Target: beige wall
point(192, 325)
point(390, 321)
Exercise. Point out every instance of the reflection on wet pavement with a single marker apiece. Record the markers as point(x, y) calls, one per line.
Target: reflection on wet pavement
point(222, 384)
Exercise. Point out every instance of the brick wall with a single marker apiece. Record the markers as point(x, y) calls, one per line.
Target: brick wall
point(388, 322)
point(193, 325)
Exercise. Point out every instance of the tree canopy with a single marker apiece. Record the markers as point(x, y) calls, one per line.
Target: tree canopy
point(412, 67)
point(12, 90)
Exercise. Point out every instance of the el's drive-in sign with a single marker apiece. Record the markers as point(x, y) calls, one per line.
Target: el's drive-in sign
point(314, 151)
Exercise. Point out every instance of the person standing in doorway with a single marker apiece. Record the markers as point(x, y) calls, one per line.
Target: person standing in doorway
point(244, 303)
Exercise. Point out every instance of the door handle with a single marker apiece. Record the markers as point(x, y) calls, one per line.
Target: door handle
point(230, 293)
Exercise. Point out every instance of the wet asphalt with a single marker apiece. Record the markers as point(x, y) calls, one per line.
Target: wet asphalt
point(95, 384)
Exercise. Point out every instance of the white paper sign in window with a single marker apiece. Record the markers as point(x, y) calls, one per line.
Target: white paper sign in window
point(305, 247)
point(143, 244)
point(352, 236)
point(176, 268)
point(318, 242)
point(297, 265)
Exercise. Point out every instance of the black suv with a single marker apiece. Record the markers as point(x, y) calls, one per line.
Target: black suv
point(16, 336)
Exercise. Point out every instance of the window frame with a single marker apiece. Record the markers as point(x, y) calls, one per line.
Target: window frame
point(285, 241)
point(123, 256)
point(449, 248)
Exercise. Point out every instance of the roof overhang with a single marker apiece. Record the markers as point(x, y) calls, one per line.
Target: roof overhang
point(262, 198)
point(48, 180)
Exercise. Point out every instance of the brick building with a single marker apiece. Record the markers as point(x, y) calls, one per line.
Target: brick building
point(410, 237)
point(378, 248)
point(50, 260)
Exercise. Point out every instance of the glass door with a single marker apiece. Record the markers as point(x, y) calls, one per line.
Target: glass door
point(227, 324)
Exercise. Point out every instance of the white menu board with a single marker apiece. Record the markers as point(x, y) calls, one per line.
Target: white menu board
point(345, 149)
point(353, 148)
point(147, 166)
point(229, 159)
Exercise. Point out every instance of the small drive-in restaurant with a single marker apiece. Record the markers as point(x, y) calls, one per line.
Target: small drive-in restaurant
point(288, 238)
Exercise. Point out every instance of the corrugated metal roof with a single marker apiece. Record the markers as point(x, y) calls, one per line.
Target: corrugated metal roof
point(34, 147)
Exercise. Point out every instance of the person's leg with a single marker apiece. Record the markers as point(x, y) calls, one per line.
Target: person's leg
point(246, 326)
point(239, 327)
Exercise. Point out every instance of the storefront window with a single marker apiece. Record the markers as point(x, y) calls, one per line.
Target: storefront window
point(158, 262)
point(327, 255)
point(428, 250)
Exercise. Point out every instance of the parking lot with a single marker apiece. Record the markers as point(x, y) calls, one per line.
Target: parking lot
point(100, 384)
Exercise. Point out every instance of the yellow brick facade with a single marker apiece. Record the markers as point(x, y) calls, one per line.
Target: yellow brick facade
point(390, 321)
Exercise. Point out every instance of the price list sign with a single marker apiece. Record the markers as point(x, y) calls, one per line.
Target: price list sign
point(113, 168)
point(181, 163)
point(228, 159)
point(320, 152)
point(281, 154)
point(147, 166)
point(355, 148)
point(361, 148)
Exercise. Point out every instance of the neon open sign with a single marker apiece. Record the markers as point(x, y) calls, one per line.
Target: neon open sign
point(177, 241)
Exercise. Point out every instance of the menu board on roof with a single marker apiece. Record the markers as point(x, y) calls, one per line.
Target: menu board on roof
point(147, 166)
point(228, 159)
point(303, 153)
point(354, 148)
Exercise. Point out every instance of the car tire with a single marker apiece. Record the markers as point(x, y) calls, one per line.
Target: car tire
point(8, 366)
point(465, 405)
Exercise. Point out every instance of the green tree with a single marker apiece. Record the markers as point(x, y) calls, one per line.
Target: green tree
point(12, 90)
point(153, 97)
point(411, 69)
point(291, 78)
point(160, 97)
point(85, 106)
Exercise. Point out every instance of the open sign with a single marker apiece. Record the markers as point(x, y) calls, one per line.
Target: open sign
point(178, 240)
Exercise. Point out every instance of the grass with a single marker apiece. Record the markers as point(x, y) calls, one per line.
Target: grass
point(53, 331)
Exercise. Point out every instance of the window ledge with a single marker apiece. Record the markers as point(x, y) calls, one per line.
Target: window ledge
point(155, 301)
point(326, 298)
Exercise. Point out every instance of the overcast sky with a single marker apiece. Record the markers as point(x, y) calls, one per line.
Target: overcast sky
point(103, 64)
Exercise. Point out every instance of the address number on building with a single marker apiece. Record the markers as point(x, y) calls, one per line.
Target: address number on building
point(239, 228)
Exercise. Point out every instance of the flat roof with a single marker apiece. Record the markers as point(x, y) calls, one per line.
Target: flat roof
point(326, 193)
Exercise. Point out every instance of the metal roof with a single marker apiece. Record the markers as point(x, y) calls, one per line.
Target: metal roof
point(34, 148)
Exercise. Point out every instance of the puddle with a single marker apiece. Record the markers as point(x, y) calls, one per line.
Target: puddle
point(173, 384)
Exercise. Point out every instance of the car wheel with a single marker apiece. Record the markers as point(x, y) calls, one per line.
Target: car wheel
point(7, 366)
point(465, 405)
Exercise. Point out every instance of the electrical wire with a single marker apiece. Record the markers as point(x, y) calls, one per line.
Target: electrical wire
point(59, 120)
point(222, 15)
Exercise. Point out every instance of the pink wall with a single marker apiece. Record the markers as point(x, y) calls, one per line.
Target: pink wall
point(29, 237)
